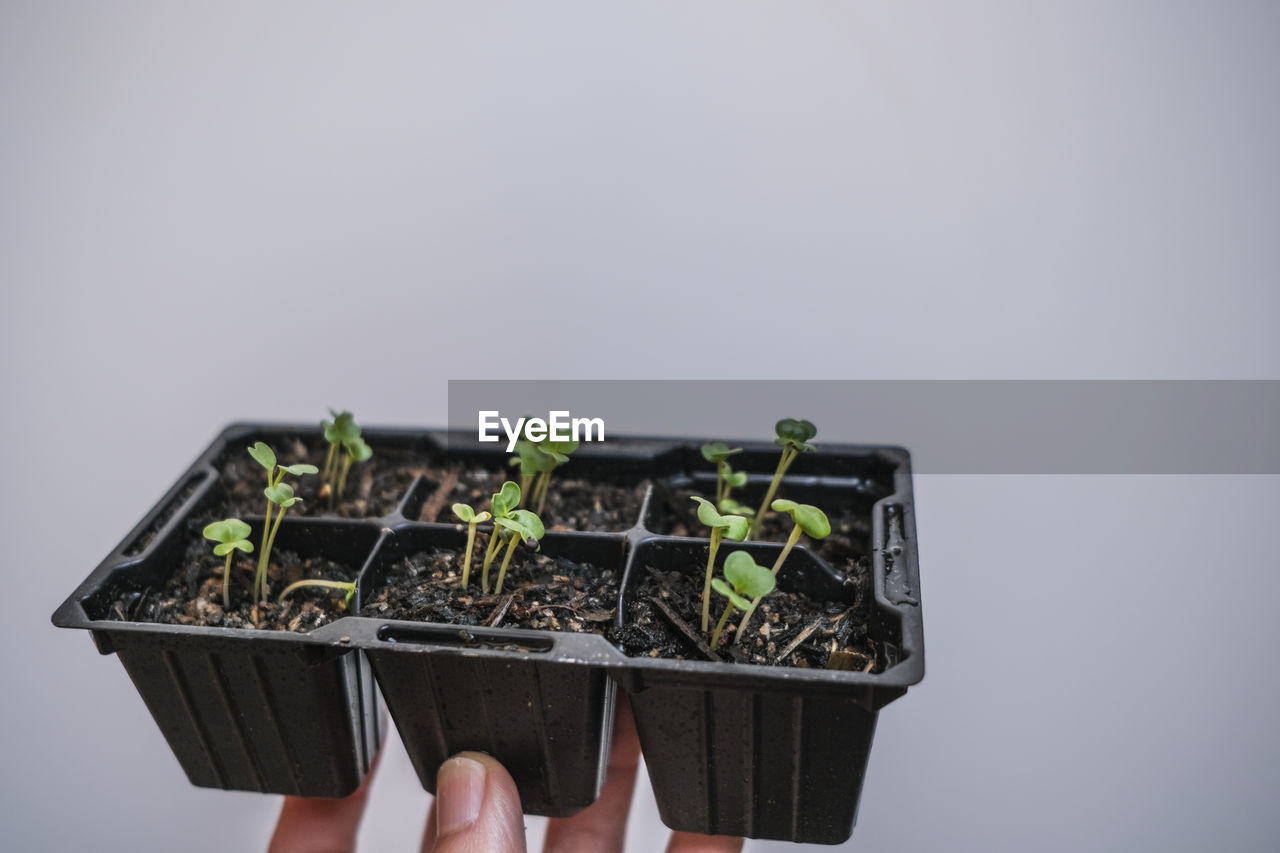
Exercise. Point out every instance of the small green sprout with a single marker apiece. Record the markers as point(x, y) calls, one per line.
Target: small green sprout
point(337, 432)
point(718, 453)
point(356, 451)
point(531, 462)
point(349, 586)
point(793, 438)
point(280, 495)
point(558, 452)
point(232, 535)
point(747, 581)
point(472, 518)
point(346, 446)
point(536, 460)
point(808, 519)
point(731, 507)
point(501, 506)
point(520, 525)
point(732, 527)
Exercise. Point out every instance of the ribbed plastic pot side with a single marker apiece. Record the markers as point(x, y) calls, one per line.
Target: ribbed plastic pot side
point(251, 710)
point(768, 751)
point(538, 701)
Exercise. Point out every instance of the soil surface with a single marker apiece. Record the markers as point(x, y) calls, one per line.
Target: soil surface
point(377, 487)
point(539, 592)
point(192, 595)
point(374, 488)
point(664, 615)
point(572, 504)
point(672, 513)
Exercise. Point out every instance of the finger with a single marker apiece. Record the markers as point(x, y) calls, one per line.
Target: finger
point(322, 824)
point(689, 842)
point(602, 826)
point(476, 810)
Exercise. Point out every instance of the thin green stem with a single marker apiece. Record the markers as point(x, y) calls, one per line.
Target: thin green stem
point(471, 541)
point(722, 491)
point(715, 637)
point(524, 485)
point(262, 555)
point(346, 586)
point(326, 476)
point(271, 542)
point(506, 560)
point(541, 491)
point(777, 564)
point(226, 582)
point(274, 476)
point(716, 533)
point(488, 559)
point(786, 549)
point(788, 456)
point(346, 469)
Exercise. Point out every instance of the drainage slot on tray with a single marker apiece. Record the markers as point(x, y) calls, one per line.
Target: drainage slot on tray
point(463, 636)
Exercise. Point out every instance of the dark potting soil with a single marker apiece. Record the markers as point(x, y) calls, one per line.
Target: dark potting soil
point(192, 595)
point(673, 513)
point(664, 615)
point(572, 504)
point(374, 488)
point(539, 592)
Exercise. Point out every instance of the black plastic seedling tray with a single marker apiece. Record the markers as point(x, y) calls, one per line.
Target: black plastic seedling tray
point(735, 749)
point(271, 711)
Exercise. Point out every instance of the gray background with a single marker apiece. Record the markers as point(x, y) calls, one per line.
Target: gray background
point(235, 210)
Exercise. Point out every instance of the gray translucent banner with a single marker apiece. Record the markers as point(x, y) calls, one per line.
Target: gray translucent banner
point(950, 427)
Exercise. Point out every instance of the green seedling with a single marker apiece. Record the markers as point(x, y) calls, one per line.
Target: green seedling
point(558, 452)
point(732, 527)
point(232, 535)
point(346, 446)
point(537, 460)
point(501, 506)
point(729, 506)
point(341, 429)
point(349, 586)
point(718, 453)
point(747, 581)
point(279, 494)
point(472, 518)
point(355, 451)
point(793, 438)
point(520, 526)
point(806, 518)
point(531, 461)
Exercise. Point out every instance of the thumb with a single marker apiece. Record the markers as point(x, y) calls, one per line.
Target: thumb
point(477, 808)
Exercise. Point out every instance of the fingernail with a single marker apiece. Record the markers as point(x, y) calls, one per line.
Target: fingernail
point(459, 794)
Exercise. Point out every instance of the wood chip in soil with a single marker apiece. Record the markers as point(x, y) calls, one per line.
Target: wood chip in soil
point(192, 595)
point(540, 592)
point(374, 488)
point(787, 629)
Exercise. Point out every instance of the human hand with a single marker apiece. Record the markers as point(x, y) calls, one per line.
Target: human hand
point(477, 810)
